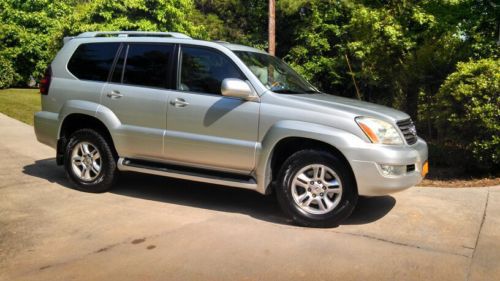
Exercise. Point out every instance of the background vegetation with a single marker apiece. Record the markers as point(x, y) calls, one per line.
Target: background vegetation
point(438, 60)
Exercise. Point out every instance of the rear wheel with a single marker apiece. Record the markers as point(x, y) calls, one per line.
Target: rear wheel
point(315, 188)
point(89, 161)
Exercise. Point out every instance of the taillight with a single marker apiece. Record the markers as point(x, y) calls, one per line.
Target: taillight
point(45, 82)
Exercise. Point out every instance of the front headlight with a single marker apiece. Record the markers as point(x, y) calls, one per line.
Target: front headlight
point(379, 131)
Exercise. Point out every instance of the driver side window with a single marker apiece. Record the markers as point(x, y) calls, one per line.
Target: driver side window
point(203, 70)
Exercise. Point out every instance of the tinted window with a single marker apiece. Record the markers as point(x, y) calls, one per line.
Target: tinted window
point(202, 70)
point(147, 64)
point(93, 61)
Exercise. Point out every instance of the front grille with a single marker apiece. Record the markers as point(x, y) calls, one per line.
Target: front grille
point(408, 129)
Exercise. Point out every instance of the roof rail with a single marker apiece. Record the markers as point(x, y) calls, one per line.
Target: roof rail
point(133, 34)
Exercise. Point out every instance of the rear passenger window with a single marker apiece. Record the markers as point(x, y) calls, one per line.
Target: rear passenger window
point(93, 61)
point(147, 65)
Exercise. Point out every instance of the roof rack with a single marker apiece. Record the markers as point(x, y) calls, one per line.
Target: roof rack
point(133, 34)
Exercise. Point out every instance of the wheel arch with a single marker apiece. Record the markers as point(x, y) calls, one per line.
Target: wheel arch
point(289, 137)
point(75, 121)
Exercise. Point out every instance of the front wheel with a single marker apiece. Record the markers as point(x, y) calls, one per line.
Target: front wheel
point(89, 161)
point(315, 188)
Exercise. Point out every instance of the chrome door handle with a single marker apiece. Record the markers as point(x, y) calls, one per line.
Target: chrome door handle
point(114, 95)
point(178, 102)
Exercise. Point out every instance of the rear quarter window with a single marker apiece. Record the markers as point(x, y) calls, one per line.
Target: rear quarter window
point(93, 61)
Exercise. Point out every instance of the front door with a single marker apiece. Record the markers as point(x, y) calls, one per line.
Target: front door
point(204, 128)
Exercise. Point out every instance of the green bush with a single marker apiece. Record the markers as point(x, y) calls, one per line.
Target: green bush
point(468, 113)
point(7, 73)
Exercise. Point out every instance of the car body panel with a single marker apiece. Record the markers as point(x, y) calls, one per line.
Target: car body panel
point(142, 112)
point(212, 131)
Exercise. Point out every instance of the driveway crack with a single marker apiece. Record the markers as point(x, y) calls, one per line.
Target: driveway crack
point(469, 271)
point(402, 244)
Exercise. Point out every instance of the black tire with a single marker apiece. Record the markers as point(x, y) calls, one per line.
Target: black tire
point(104, 180)
point(293, 165)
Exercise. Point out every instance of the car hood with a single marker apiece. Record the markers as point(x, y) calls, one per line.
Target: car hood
point(335, 104)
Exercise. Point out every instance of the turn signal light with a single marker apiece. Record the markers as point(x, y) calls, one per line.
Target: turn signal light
point(425, 168)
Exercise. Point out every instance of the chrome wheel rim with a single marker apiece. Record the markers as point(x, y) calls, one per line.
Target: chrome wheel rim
point(86, 161)
point(316, 189)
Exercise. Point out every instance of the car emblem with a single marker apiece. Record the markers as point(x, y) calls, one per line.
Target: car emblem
point(413, 130)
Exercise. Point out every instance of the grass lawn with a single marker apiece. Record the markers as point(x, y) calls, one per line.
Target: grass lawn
point(20, 104)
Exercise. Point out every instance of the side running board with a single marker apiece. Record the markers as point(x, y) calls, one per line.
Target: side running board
point(186, 173)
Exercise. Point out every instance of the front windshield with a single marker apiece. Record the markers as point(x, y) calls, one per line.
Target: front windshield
point(276, 75)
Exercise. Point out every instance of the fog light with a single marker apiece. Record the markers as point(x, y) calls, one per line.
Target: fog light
point(393, 170)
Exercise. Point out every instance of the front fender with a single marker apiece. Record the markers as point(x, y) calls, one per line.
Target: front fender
point(337, 138)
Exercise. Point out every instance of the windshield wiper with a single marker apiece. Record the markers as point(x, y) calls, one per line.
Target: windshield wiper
point(285, 91)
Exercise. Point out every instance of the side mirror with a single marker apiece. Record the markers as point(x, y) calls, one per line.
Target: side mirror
point(232, 87)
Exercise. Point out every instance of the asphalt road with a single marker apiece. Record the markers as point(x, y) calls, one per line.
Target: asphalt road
point(153, 228)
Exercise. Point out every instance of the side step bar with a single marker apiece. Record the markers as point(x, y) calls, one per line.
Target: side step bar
point(192, 174)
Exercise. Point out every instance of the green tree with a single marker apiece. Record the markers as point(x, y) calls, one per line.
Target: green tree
point(145, 15)
point(26, 34)
point(237, 21)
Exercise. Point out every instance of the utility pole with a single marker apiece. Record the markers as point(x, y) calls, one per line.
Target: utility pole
point(272, 27)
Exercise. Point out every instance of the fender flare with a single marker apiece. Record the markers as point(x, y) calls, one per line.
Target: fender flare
point(337, 138)
point(92, 109)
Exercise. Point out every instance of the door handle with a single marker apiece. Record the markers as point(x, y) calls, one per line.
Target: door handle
point(178, 102)
point(114, 94)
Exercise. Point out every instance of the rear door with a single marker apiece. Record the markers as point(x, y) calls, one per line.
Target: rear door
point(204, 128)
point(138, 94)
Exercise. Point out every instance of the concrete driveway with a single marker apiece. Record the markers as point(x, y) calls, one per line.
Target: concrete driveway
point(152, 228)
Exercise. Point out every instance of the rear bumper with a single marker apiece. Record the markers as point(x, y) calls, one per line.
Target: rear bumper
point(368, 174)
point(47, 127)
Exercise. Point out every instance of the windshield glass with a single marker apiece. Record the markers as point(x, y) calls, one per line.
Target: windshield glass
point(276, 75)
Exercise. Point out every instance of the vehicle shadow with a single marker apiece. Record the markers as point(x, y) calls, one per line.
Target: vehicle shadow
point(208, 196)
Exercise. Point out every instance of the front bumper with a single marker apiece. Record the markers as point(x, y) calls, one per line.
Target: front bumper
point(368, 174)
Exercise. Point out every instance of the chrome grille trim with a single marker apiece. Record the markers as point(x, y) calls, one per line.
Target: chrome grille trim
point(408, 129)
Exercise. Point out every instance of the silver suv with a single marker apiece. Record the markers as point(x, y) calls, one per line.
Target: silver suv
point(166, 104)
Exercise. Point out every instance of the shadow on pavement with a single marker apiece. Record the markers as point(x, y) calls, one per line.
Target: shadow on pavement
point(207, 196)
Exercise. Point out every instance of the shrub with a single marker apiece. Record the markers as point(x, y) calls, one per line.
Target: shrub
point(7, 73)
point(468, 113)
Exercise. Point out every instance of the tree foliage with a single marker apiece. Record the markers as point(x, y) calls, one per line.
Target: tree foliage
point(146, 15)
point(26, 33)
point(32, 31)
point(242, 21)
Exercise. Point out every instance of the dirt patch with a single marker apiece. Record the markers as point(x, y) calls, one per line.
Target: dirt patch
point(457, 177)
point(458, 183)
